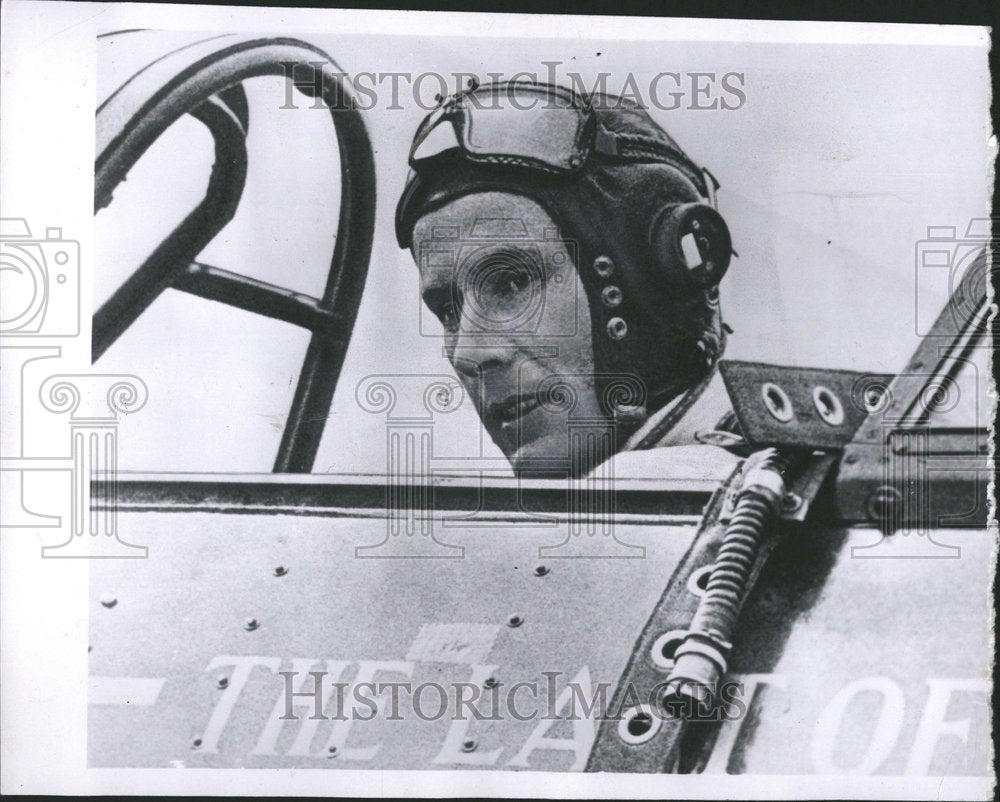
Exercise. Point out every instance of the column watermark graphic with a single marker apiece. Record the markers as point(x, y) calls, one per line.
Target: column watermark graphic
point(40, 291)
point(409, 404)
point(582, 475)
point(94, 455)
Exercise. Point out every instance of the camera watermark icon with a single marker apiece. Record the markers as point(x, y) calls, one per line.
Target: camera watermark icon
point(95, 403)
point(39, 282)
point(942, 261)
point(496, 280)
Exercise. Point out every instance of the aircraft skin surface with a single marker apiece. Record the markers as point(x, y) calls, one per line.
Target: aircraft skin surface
point(220, 667)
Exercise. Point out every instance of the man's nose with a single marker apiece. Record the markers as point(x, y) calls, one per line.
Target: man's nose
point(476, 350)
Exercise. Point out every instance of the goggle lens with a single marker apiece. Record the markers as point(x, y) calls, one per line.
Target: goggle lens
point(509, 124)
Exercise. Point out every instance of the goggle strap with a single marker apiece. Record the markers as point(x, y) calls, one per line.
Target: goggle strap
point(604, 142)
point(712, 185)
point(642, 146)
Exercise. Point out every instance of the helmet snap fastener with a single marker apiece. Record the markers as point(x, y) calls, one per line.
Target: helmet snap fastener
point(612, 295)
point(617, 328)
point(604, 266)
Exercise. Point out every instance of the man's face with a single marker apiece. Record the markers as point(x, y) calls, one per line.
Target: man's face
point(517, 330)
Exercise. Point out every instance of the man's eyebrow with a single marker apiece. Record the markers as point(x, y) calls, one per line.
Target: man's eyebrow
point(512, 250)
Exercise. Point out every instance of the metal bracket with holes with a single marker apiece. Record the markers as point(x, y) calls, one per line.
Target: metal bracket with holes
point(798, 410)
point(896, 463)
point(797, 407)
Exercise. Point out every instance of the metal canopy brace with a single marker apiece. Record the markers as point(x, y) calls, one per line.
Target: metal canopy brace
point(902, 470)
point(204, 80)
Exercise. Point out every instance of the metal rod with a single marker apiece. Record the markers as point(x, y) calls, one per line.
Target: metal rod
point(176, 252)
point(939, 356)
point(652, 502)
point(252, 295)
point(345, 284)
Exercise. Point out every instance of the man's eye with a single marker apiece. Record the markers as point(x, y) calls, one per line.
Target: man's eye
point(519, 280)
point(511, 280)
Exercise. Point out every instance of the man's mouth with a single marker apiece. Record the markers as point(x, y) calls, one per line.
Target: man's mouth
point(512, 408)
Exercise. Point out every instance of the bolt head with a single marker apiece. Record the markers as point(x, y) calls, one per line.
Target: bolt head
point(469, 745)
point(791, 502)
point(883, 506)
point(250, 624)
point(515, 621)
point(109, 601)
point(491, 682)
point(542, 570)
point(222, 682)
point(280, 570)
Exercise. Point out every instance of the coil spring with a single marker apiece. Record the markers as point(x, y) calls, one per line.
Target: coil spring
point(741, 544)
